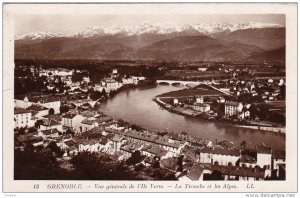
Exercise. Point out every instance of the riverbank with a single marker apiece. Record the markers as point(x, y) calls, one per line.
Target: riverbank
point(191, 113)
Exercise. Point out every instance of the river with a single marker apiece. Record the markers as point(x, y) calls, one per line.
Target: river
point(136, 106)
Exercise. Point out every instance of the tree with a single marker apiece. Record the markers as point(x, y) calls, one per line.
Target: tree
point(64, 109)
point(95, 166)
point(54, 148)
point(135, 158)
point(51, 111)
point(215, 175)
point(180, 163)
point(37, 165)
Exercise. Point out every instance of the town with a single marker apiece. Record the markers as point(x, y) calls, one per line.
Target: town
point(58, 117)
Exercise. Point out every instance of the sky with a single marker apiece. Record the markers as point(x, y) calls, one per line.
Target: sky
point(69, 24)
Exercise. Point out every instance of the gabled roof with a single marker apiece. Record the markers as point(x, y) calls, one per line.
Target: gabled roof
point(230, 103)
point(247, 159)
point(104, 140)
point(69, 115)
point(226, 144)
point(220, 151)
point(263, 149)
point(239, 171)
point(195, 172)
point(70, 143)
point(50, 131)
point(170, 163)
point(117, 138)
point(53, 117)
point(279, 154)
point(104, 119)
point(50, 122)
point(88, 122)
point(35, 107)
point(20, 111)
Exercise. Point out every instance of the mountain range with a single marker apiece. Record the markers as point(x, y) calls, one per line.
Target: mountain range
point(246, 42)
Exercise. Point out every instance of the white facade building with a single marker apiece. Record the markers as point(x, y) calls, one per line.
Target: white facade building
point(22, 118)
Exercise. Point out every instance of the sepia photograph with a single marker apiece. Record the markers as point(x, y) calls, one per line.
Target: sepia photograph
point(185, 99)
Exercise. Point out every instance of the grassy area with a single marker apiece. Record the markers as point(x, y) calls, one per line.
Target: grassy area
point(202, 90)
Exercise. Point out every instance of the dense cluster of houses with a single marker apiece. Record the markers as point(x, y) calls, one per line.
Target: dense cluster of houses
point(65, 76)
point(82, 128)
point(89, 130)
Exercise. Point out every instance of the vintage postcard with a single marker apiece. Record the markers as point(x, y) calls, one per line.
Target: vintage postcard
point(153, 97)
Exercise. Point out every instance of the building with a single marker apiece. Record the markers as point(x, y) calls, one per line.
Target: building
point(22, 118)
point(51, 104)
point(72, 121)
point(51, 124)
point(233, 108)
point(88, 124)
point(199, 99)
point(38, 110)
point(175, 101)
point(50, 133)
point(201, 107)
point(278, 158)
point(196, 173)
point(202, 69)
point(264, 156)
point(215, 155)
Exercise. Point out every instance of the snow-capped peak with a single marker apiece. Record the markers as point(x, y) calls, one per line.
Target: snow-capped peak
point(159, 28)
point(39, 35)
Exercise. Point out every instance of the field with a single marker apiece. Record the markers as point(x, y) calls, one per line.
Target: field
point(202, 90)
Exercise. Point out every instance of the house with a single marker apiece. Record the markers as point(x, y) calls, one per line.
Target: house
point(247, 161)
point(202, 69)
point(154, 151)
point(111, 85)
point(90, 145)
point(278, 160)
point(170, 163)
point(264, 156)
point(88, 124)
point(199, 99)
point(136, 79)
point(215, 155)
point(38, 110)
point(22, 103)
point(105, 143)
point(130, 148)
point(72, 121)
point(49, 133)
point(70, 147)
point(195, 173)
point(239, 173)
point(245, 113)
point(51, 124)
point(116, 143)
point(191, 153)
point(232, 108)
point(22, 118)
point(51, 103)
point(201, 107)
point(175, 101)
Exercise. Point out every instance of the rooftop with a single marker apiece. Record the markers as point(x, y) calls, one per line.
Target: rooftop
point(220, 151)
point(69, 115)
point(230, 103)
point(20, 111)
point(195, 172)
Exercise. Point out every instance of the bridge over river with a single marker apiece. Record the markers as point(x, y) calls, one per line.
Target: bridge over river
point(171, 82)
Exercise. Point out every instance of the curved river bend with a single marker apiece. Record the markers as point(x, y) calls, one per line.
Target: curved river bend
point(136, 106)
